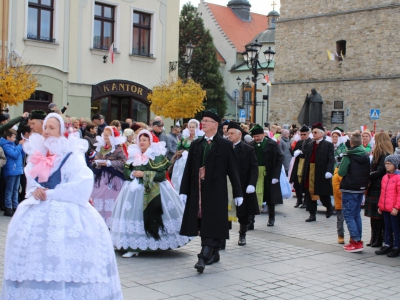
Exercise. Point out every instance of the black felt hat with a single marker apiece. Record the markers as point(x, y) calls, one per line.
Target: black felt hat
point(257, 129)
point(304, 128)
point(212, 113)
point(38, 114)
point(234, 125)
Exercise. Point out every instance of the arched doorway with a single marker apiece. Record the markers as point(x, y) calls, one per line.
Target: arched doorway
point(119, 100)
point(39, 100)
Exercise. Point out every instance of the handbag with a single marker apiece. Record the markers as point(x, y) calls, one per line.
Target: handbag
point(285, 185)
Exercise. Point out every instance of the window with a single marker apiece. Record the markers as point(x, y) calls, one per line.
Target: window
point(141, 34)
point(38, 100)
point(103, 26)
point(341, 49)
point(40, 20)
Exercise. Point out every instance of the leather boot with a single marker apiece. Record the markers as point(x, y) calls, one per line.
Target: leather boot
point(373, 237)
point(204, 256)
point(214, 257)
point(242, 235)
point(312, 218)
point(379, 239)
point(251, 224)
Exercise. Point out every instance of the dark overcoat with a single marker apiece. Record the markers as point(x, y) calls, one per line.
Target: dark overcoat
point(247, 165)
point(324, 162)
point(273, 160)
point(300, 145)
point(220, 162)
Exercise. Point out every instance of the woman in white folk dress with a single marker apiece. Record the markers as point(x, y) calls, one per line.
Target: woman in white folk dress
point(58, 246)
point(148, 213)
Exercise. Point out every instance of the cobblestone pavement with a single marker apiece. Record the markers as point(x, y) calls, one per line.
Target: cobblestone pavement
point(292, 260)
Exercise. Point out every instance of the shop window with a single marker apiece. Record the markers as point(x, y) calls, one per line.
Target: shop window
point(39, 100)
point(341, 49)
point(120, 108)
point(104, 21)
point(40, 20)
point(141, 34)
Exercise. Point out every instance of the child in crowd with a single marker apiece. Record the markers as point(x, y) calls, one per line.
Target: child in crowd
point(337, 194)
point(12, 170)
point(389, 206)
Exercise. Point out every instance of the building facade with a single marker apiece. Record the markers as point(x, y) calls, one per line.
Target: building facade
point(232, 28)
point(364, 75)
point(67, 43)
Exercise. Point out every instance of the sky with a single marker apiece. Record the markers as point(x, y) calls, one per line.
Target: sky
point(257, 6)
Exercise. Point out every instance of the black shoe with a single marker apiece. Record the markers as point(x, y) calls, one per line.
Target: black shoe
point(271, 222)
point(242, 235)
point(329, 212)
point(214, 257)
point(8, 212)
point(394, 253)
point(383, 250)
point(297, 205)
point(200, 266)
point(303, 206)
point(374, 235)
point(311, 218)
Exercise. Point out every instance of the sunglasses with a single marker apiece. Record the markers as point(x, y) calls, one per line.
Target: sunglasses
point(314, 132)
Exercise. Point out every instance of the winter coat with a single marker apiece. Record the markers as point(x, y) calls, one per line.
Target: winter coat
point(273, 159)
point(10, 124)
point(14, 155)
point(324, 162)
point(337, 194)
point(390, 192)
point(91, 138)
point(220, 162)
point(378, 170)
point(284, 145)
point(246, 161)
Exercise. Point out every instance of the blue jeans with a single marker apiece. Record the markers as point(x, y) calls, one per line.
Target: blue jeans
point(11, 194)
point(351, 207)
point(392, 230)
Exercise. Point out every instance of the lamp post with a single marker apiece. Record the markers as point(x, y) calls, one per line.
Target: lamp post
point(187, 60)
point(241, 84)
point(251, 57)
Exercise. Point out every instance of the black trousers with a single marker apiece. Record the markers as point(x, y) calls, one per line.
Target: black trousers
point(215, 243)
point(312, 205)
point(244, 220)
point(271, 211)
point(299, 188)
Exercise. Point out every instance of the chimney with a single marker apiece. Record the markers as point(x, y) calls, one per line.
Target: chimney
point(241, 8)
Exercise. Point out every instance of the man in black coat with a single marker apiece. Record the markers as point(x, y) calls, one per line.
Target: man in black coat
point(317, 172)
point(299, 154)
point(269, 159)
point(205, 191)
point(246, 161)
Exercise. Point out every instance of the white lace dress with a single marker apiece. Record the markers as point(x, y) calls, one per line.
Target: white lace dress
point(127, 226)
point(60, 248)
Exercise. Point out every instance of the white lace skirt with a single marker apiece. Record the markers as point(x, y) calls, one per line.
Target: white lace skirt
point(59, 250)
point(127, 227)
point(177, 173)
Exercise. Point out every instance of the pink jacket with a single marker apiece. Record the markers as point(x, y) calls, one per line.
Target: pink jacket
point(390, 192)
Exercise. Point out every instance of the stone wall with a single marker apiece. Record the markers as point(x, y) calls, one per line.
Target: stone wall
point(372, 53)
point(295, 8)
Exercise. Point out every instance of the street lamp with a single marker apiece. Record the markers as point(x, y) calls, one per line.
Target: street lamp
point(251, 57)
point(187, 59)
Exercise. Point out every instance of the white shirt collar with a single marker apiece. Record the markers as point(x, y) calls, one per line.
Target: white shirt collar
point(236, 143)
point(319, 141)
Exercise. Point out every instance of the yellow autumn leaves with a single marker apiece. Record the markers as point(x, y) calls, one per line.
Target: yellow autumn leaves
point(178, 99)
point(17, 83)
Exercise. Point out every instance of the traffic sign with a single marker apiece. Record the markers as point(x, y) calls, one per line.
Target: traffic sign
point(375, 114)
point(242, 113)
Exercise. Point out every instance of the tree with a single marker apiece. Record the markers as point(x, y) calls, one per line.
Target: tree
point(177, 100)
point(204, 67)
point(17, 82)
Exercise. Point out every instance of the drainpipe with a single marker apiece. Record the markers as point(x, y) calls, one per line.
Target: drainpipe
point(3, 33)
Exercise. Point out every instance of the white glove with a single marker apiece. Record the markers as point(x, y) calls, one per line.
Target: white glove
point(238, 201)
point(250, 189)
point(108, 163)
point(297, 153)
point(132, 177)
point(328, 175)
point(274, 180)
point(183, 198)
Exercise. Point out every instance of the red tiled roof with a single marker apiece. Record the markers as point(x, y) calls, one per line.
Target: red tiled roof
point(219, 57)
point(239, 32)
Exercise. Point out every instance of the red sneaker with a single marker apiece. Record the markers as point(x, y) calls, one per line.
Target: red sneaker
point(347, 245)
point(355, 247)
